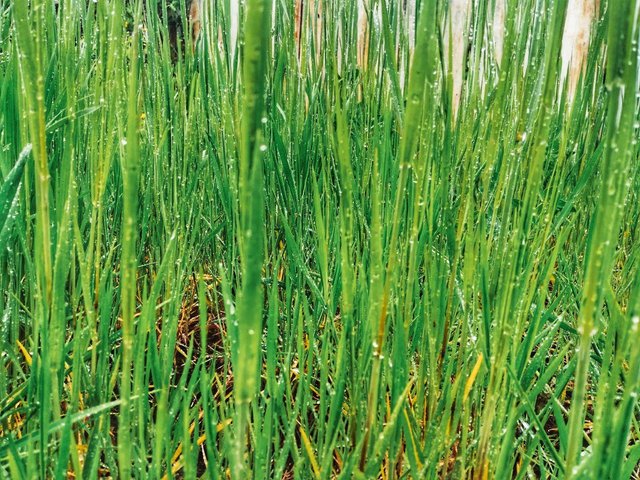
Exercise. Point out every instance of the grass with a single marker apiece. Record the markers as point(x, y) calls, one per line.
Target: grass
point(292, 257)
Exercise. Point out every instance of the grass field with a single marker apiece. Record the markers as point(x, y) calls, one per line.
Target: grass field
point(288, 256)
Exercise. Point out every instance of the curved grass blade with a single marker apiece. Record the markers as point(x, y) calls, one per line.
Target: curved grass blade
point(9, 196)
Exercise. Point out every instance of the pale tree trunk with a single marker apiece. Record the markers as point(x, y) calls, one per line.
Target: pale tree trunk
point(363, 32)
point(498, 30)
point(316, 15)
point(410, 9)
point(580, 17)
point(455, 33)
point(195, 19)
point(410, 26)
point(234, 17)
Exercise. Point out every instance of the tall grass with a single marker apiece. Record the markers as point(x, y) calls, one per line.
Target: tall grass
point(289, 255)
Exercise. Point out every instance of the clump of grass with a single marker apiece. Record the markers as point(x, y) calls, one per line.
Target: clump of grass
point(361, 280)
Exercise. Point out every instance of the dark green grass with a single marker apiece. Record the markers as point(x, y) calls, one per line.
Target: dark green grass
point(267, 259)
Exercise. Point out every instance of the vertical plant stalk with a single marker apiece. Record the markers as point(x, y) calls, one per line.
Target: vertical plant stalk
point(421, 81)
point(541, 134)
point(257, 27)
point(31, 47)
point(130, 166)
point(621, 75)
